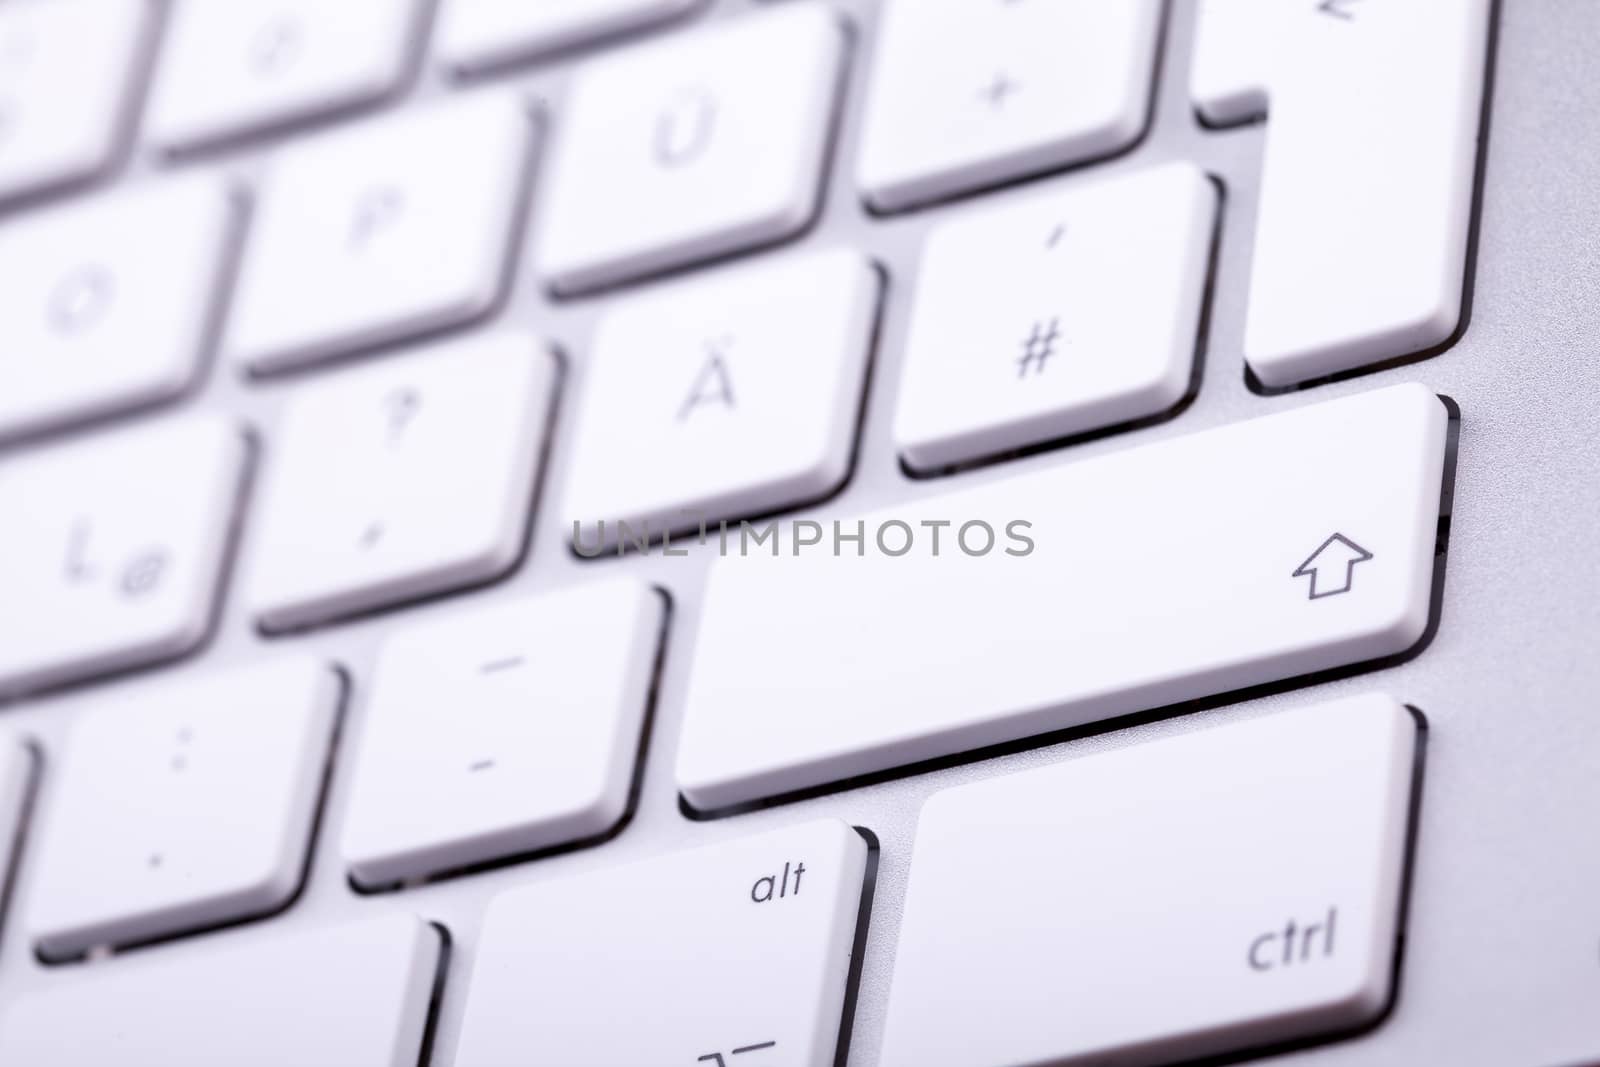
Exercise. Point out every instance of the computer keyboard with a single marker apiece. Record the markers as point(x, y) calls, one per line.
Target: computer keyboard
point(798, 533)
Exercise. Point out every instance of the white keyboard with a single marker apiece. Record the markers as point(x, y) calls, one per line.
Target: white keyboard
point(751, 533)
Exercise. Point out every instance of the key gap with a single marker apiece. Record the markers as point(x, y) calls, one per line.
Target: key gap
point(858, 948)
point(430, 1025)
point(11, 860)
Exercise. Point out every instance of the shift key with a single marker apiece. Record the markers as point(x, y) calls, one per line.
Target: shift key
point(1259, 551)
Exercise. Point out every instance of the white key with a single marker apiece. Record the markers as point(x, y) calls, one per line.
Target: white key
point(1029, 87)
point(727, 396)
point(1055, 315)
point(115, 546)
point(1271, 548)
point(16, 782)
point(743, 945)
point(182, 805)
point(354, 995)
point(373, 233)
point(247, 65)
point(411, 476)
point(67, 73)
point(1203, 894)
point(704, 144)
point(479, 35)
point(109, 303)
point(1228, 77)
point(502, 731)
point(1366, 184)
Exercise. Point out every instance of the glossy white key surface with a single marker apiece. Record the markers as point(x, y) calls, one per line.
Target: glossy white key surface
point(1275, 547)
point(1228, 72)
point(704, 143)
point(1232, 887)
point(1055, 315)
point(354, 995)
point(67, 74)
point(409, 476)
point(502, 730)
point(108, 302)
point(115, 546)
point(376, 232)
point(1366, 183)
point(688, 958)
point(965, 95)
point(244, 65)
point(728, 396)
point(478, 35)
point(182, 804)
point(16, 780)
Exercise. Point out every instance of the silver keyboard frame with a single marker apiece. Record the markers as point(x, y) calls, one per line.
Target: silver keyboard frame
point(1501, 961)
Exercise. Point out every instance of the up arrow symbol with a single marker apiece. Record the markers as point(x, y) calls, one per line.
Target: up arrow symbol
point(1332, 566)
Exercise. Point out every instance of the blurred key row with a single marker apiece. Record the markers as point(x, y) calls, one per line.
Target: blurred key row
point(715, 141)
point(1276, 899)
point(1038, 86)
point(186, 803)
point(733, 394)
point(403, 480)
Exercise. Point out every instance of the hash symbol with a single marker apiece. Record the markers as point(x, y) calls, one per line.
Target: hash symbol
point(1038, 347)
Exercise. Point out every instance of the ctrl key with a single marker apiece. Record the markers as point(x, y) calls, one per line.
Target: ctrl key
point(732, 955)
point(1228, 889)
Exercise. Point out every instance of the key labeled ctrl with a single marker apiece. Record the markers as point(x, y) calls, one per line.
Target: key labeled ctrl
point(1227, 889)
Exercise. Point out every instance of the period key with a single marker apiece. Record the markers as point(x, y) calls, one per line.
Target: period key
point(1227, 889)
point(731, 955)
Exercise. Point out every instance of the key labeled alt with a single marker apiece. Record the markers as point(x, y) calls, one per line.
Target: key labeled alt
point(776, 886)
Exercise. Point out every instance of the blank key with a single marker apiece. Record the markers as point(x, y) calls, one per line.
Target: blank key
point(1234, 887)
point(355, 995)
